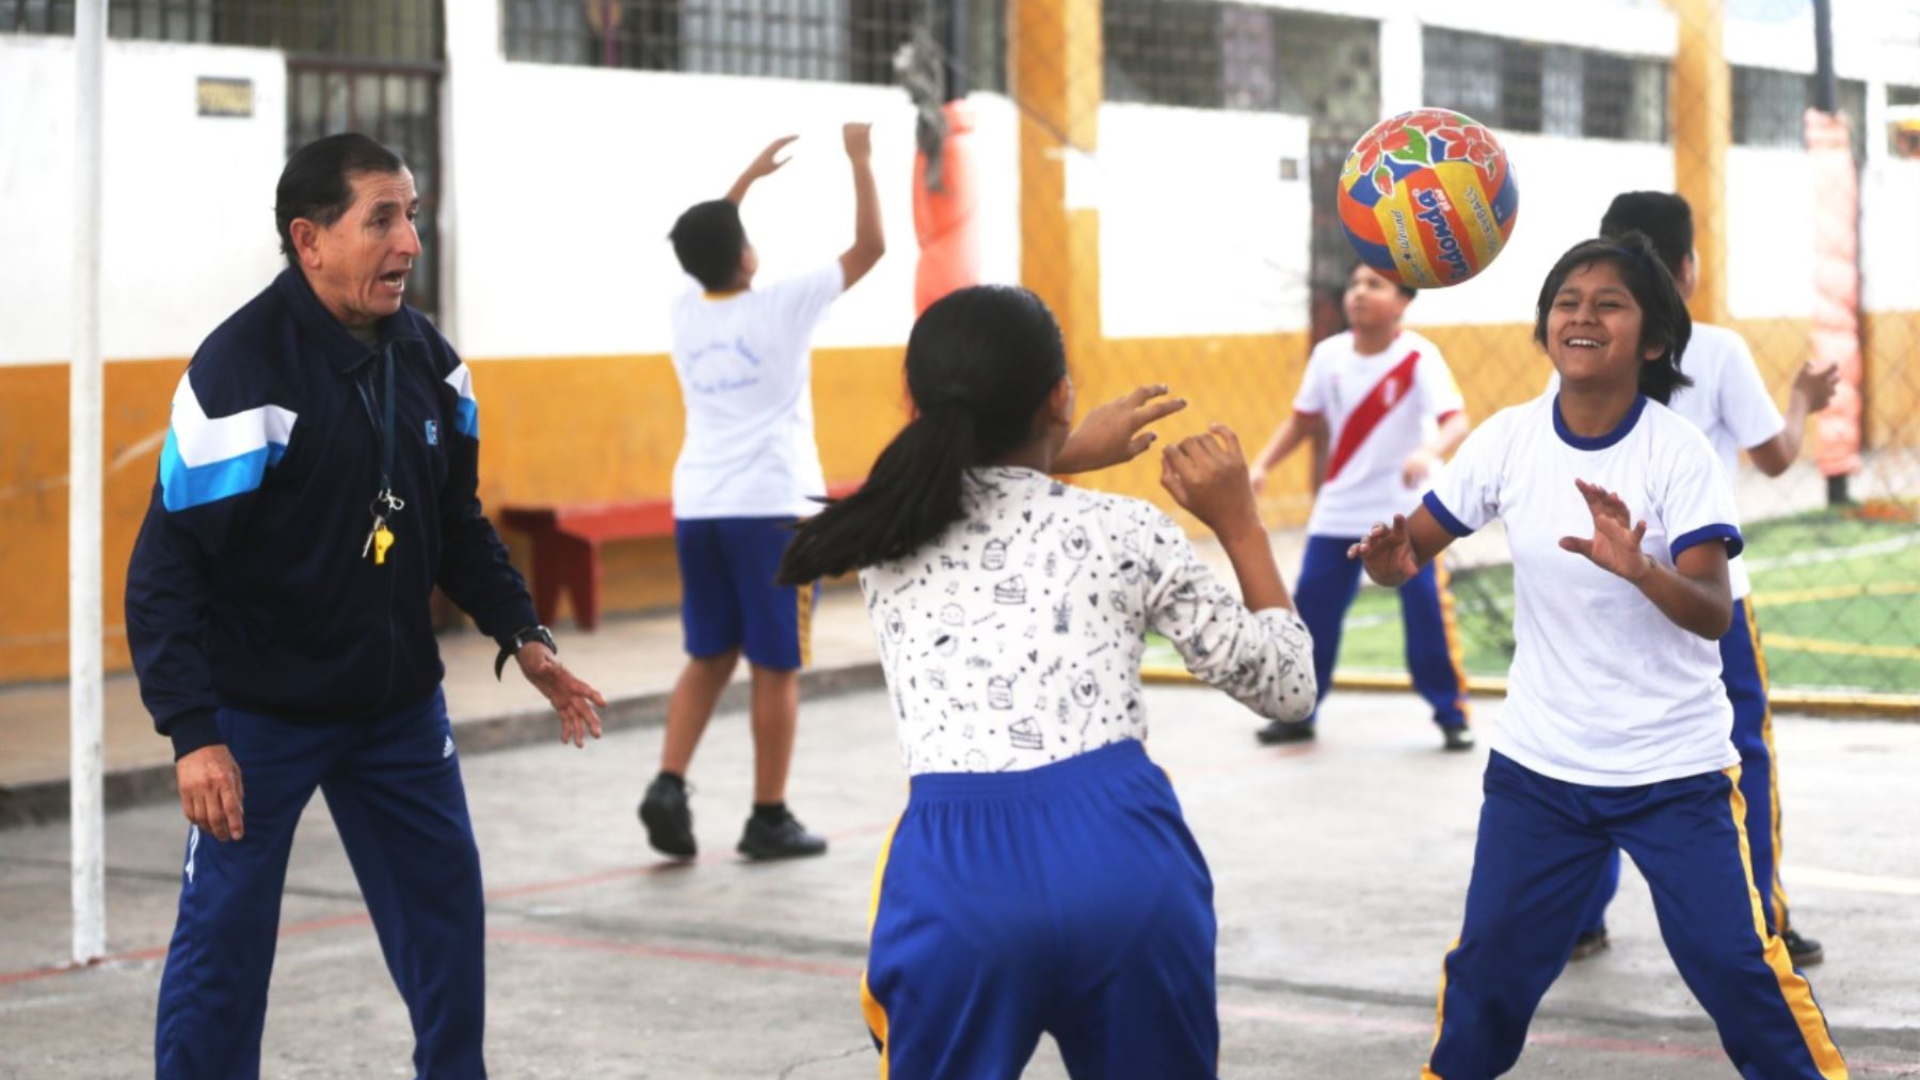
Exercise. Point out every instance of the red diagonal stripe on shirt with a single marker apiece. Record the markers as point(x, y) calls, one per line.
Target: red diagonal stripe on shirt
point(1380, 400)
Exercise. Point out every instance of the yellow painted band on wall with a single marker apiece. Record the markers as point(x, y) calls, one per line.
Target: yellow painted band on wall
point(607, 427)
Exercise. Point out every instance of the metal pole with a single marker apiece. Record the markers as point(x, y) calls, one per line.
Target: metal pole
point(1826, 98)
point(87, 802)
point(953, 38)
point(1825, 93)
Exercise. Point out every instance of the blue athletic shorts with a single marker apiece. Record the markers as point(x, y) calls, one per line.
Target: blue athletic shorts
point(727, 596)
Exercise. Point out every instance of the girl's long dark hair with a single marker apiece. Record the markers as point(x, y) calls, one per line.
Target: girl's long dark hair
point(980, 364)
point(1663, 314)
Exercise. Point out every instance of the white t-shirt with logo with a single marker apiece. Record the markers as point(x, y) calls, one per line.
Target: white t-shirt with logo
point(746, 377)
point(1729, 402)
point(1378, 410)
point(1604, 689)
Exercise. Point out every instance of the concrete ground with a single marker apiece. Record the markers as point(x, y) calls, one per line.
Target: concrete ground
point(1340, 868)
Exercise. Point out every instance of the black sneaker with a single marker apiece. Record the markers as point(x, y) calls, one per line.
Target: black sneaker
point(1457, 738)
point(1590, 943)
point(785, 838)
point(668, 820)
point(1805, 952)
point(1279, 732)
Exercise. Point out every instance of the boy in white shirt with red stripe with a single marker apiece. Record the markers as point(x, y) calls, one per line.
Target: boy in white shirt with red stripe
point(1387, 404)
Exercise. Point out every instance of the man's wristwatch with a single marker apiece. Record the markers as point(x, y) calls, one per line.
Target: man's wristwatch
point(514, 644)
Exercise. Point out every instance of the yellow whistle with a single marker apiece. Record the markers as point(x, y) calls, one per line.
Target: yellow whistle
point(382, 540)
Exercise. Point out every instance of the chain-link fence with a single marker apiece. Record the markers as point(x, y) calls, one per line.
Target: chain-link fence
point(1177, 164)
point(1163, 172)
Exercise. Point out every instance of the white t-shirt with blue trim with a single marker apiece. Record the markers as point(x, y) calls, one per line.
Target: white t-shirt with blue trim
point(1730, 403)
point(1604, 689)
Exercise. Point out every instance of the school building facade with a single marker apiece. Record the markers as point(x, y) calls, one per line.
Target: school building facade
point(1160, 170)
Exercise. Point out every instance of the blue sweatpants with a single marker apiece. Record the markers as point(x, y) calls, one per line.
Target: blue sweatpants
point(1069, 899)
point(393, 785)
point(1743, 668)
point(1542, 847)
point(1328, 583)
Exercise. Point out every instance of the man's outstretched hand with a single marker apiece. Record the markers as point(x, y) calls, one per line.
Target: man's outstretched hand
point(572, 698)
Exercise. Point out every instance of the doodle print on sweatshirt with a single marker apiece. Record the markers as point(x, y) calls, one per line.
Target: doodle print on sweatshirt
point(1014, 639)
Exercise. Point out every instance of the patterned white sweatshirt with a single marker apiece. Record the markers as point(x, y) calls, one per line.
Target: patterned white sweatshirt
point(1014, 640)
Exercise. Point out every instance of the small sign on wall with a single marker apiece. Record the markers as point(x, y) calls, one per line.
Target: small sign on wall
point(225, 97)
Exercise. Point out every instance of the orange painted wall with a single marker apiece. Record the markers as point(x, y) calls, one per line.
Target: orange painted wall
point(33, 503)
point(553, 430)
point(608, 427)
point(1893, 379)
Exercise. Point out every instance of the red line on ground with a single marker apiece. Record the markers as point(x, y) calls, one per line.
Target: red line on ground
point(1300, 1017)
point(509, 892)
point(1383, 1025)
point(669, 952)
point(157, 952)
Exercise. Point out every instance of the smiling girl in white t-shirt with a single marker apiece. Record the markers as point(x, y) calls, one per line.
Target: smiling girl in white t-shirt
point(1616, 727)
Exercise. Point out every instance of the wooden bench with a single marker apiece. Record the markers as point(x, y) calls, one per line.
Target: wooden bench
point(567, 538)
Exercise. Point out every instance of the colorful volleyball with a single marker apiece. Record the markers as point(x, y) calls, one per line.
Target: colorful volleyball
point(1427, 198)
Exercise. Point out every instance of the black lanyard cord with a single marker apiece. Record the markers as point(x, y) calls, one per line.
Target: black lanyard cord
point(386, 425)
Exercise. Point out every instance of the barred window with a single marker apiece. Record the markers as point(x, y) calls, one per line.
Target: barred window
point(406, 31)
point(827, 40)
point(1163, 53)
point(1240, 56)
point(1555, 90)
point(1903, 122)
point(1769, 108)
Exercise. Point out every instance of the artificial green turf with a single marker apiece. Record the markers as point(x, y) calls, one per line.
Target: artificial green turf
point(1373, 642)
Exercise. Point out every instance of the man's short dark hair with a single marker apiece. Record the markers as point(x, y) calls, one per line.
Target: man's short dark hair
point(1665, 219)
point(708, 240)
point(317, 183)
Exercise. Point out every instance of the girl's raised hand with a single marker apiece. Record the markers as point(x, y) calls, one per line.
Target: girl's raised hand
point(1207, 474)
point(1615, 546)
point(1387, 552)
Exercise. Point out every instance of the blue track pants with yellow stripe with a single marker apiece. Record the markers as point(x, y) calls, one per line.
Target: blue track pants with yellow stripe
point(1069, 900)
point(1325, 590)
point(1743, 669)
point(1542, 847)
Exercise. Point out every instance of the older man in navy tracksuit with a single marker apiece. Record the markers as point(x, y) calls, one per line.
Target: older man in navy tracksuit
point(318, 480)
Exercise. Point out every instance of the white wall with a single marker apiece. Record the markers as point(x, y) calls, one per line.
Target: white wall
point(1198, 232)
point(1890, 239)
point(188, 221)
point(1770, 215)
point(1872, 39)
point(1565, 186)
point(567, 180)
point(564, 181)
point(1632, 27)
